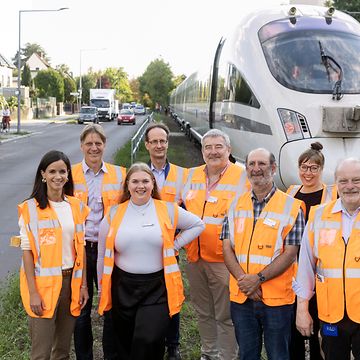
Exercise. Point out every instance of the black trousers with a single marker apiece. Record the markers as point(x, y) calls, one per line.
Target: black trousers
point(348, 339)
point(297, 344)
point(83, 336)
point(140, 314)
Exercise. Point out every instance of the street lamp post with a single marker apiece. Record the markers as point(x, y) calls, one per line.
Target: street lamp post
point(19, 62)
point(80, 80)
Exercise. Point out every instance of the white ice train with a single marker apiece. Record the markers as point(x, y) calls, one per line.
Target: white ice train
point(286, 77)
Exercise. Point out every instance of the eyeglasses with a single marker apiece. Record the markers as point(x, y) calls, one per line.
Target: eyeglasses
point(156, 142)
point(313, 168)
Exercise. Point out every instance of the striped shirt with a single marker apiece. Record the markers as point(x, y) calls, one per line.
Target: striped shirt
point(94, 185)
point(295, 234)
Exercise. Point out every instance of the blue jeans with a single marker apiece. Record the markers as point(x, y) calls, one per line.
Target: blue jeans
point(83, 337)
point(252, 319)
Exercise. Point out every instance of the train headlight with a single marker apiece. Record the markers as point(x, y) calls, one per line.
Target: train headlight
point(330, 11)
point(292, 11)
point(294, 124)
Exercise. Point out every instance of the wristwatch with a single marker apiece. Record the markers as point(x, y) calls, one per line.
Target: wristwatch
point(261, 277)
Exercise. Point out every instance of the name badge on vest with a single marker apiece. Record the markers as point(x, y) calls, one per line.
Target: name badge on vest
point(270, 222)
point(212, 199)
point(147, 224)
point(330, 330)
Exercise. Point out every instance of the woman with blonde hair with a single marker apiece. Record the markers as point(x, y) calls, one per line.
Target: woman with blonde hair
point(137, 268)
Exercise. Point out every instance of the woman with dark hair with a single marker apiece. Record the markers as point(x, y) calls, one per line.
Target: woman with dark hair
point(312, 192)
point(52, 275)
point(137, 268)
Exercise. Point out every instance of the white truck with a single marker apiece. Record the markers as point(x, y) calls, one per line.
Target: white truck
point(104, 101)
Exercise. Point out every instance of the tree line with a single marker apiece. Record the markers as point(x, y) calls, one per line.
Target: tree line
point(152, 87)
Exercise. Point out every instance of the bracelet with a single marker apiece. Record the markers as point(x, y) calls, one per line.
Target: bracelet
point(83, 287)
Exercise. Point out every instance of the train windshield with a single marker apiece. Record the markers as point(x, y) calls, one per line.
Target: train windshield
point(312, 55)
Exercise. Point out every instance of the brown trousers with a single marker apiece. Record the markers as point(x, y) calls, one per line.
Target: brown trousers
point(51, 338)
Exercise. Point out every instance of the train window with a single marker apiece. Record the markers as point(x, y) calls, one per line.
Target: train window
point(311, 56)
point(231, 86)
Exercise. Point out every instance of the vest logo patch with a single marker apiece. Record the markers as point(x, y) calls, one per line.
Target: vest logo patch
point(327, 237)
point(47, 236)
point(191, 194)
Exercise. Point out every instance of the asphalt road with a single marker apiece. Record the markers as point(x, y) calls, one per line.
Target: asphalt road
point(18, 162)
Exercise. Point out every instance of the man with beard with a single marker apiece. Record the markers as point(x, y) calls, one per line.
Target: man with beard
point(208, 193)
point(330, 262)
point(261, 237)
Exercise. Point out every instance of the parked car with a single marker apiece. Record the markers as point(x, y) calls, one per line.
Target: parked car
point(139, 110)
point(126, 116)
point(88, 113)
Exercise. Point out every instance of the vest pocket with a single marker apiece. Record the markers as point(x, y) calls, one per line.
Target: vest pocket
point(219, 243)
point(176, 296)
point(321, 287)
point(46, 293)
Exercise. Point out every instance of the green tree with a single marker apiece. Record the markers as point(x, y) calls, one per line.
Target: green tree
point(157, 82)
point(351, 6)
point(117, 79)
point(26, 79)
point(69, 87)
point(50, 83)
point(69, 82)
point(88, 81)
point(135, 89)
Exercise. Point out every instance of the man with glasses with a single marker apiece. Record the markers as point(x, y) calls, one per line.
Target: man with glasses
point(261, 237)
point(99, 185)
point(170, 180)
point(330, 263)
point(208, 193)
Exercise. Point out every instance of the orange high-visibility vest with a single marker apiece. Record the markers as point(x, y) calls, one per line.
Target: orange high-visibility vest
point(329, 194)
point(256, 247)
point(45, 235)
point(232, 184)
point(167, 214)
point(173, 185)
point(337, 266)
point(112, 184)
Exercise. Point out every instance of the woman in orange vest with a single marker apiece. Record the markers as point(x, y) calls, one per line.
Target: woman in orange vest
point(137, 268)
point(52, 275)
point(312, 191)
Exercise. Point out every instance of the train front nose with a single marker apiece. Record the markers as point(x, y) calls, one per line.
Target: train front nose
point(334, 149)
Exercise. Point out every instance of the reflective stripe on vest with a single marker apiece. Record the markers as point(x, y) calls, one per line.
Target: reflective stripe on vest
point(178, 183)
point(165, 211)
point(257, 244)
point(45, 236)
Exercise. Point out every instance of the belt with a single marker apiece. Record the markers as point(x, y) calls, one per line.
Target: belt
point(67, 272)
point(91, 244)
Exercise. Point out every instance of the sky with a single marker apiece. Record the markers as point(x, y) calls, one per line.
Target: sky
point(119, 33)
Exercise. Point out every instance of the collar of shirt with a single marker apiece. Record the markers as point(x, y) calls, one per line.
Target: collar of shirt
point(153, 168)
point(340, 207)
point(210, 188)
point(86, 168)
point(267, 197)
point(347, 219)
point(160, 175)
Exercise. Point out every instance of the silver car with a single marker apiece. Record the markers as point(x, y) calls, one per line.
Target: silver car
point(88, 113)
